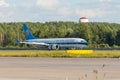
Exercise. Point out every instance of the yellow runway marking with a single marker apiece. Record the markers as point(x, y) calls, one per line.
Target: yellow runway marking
point(80, 51)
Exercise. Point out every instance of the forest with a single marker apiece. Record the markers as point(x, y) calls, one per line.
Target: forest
point(98, 34)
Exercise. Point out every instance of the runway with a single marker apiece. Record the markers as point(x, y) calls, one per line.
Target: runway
point(19, 68)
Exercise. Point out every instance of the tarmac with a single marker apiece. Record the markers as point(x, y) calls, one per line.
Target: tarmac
point(21, 68)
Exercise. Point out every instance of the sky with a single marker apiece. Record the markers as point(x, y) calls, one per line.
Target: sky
point(59, 10)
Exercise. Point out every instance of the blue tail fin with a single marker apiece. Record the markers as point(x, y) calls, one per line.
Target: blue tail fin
point(28, 34)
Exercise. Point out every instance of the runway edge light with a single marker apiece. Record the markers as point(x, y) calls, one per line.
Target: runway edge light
point(79, 51)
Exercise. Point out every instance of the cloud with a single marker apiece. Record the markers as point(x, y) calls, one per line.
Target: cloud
point(1, 14)
point(90, 13)
point(118, 6)
point(47, 4)
point(105, 0)
point(3, 3)
point(29, 5)
point(5, 17)
point(64, 11)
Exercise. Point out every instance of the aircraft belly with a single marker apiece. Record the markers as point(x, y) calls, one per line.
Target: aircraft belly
point(72, 45)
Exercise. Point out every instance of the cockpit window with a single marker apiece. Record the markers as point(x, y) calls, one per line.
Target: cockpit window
point(82, 41)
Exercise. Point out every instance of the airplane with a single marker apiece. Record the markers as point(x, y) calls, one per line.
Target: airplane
point(53, 43)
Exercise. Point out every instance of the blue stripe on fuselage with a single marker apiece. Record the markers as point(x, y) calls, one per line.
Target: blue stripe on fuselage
point(61, 43)
point(82, 43)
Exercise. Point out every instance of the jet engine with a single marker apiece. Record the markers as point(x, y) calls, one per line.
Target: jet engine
point(53, 47)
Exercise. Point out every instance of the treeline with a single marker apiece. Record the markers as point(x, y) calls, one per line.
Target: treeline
point(97, 34)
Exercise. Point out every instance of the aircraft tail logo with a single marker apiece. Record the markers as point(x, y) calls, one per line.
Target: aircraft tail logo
point(27, 32)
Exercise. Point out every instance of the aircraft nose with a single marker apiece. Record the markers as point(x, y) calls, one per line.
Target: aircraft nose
point(86, 43)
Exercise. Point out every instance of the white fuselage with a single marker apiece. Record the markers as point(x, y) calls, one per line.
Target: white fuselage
point(61, 42)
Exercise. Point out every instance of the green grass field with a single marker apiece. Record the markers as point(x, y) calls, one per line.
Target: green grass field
point(59, 53)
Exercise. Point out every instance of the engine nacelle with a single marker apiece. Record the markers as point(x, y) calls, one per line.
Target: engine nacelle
point(54, 47)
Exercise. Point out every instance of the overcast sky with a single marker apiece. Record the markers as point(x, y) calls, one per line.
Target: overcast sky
point(59, 10)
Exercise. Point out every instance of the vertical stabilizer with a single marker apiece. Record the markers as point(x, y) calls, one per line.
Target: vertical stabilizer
point(27, 32)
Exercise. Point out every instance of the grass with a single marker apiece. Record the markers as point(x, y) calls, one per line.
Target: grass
point(104, 54)
point(59, 53)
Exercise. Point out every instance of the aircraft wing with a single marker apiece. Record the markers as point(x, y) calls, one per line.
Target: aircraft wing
point(35, 43)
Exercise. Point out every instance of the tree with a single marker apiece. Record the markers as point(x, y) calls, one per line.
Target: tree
point(118, 38)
